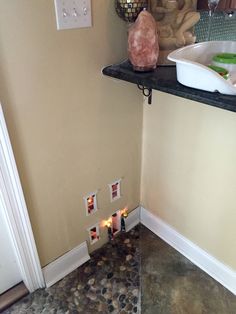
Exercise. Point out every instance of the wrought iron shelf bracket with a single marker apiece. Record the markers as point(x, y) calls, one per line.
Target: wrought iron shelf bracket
point(147, 92)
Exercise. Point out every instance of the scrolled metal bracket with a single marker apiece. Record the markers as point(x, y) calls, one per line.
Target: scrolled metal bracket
point(147, 92)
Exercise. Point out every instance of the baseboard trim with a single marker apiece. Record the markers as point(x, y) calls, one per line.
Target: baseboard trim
point(133, 219)
point(68, 262)
point(217, 270)
point(65, 264)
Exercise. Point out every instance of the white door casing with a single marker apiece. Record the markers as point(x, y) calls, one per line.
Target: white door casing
point(9, 271)
point(16, 214)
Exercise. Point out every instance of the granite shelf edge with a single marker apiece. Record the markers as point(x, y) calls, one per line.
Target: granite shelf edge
point(164, 79)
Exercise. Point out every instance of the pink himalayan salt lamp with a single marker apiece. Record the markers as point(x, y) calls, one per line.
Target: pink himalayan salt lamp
point(143, 48)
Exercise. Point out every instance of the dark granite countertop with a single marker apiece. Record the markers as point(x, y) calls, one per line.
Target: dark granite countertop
point(164, 79)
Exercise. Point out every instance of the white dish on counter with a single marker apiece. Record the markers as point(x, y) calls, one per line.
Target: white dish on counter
point(192, 66)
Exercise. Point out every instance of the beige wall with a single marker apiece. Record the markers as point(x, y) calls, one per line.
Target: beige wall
point(73, 131)
point(189, 171)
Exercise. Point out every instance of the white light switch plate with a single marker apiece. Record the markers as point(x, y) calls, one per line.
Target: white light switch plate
point(73, 13)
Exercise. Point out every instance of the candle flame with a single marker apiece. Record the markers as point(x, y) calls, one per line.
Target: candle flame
point(107, 223)
point(124, 212)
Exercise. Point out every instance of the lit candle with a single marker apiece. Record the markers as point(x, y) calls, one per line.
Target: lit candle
point(109, 230)
point(124, 214)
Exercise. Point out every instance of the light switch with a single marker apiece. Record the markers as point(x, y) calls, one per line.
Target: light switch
point(73, 13)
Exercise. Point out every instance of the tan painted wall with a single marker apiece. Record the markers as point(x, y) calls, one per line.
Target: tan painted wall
point(189, 171)
point(73, 131)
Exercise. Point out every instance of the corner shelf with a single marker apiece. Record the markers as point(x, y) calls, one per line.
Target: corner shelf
point(164, 79)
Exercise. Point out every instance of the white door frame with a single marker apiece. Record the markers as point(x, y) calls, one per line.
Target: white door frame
point(16, 214)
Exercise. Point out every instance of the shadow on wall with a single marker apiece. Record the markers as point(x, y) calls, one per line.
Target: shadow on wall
point(113, 43)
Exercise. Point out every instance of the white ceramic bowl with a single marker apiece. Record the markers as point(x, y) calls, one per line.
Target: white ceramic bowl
point(192, 71)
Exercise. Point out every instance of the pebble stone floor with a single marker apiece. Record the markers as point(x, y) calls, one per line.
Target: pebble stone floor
point(135, 273)
point(107, 283)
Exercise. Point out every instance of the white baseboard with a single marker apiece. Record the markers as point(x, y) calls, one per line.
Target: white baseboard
point(217, 270)
point(133, 219)
point(65, 264)
point(68, 262)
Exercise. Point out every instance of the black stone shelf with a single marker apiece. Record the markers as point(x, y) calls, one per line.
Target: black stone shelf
point(164, 79)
